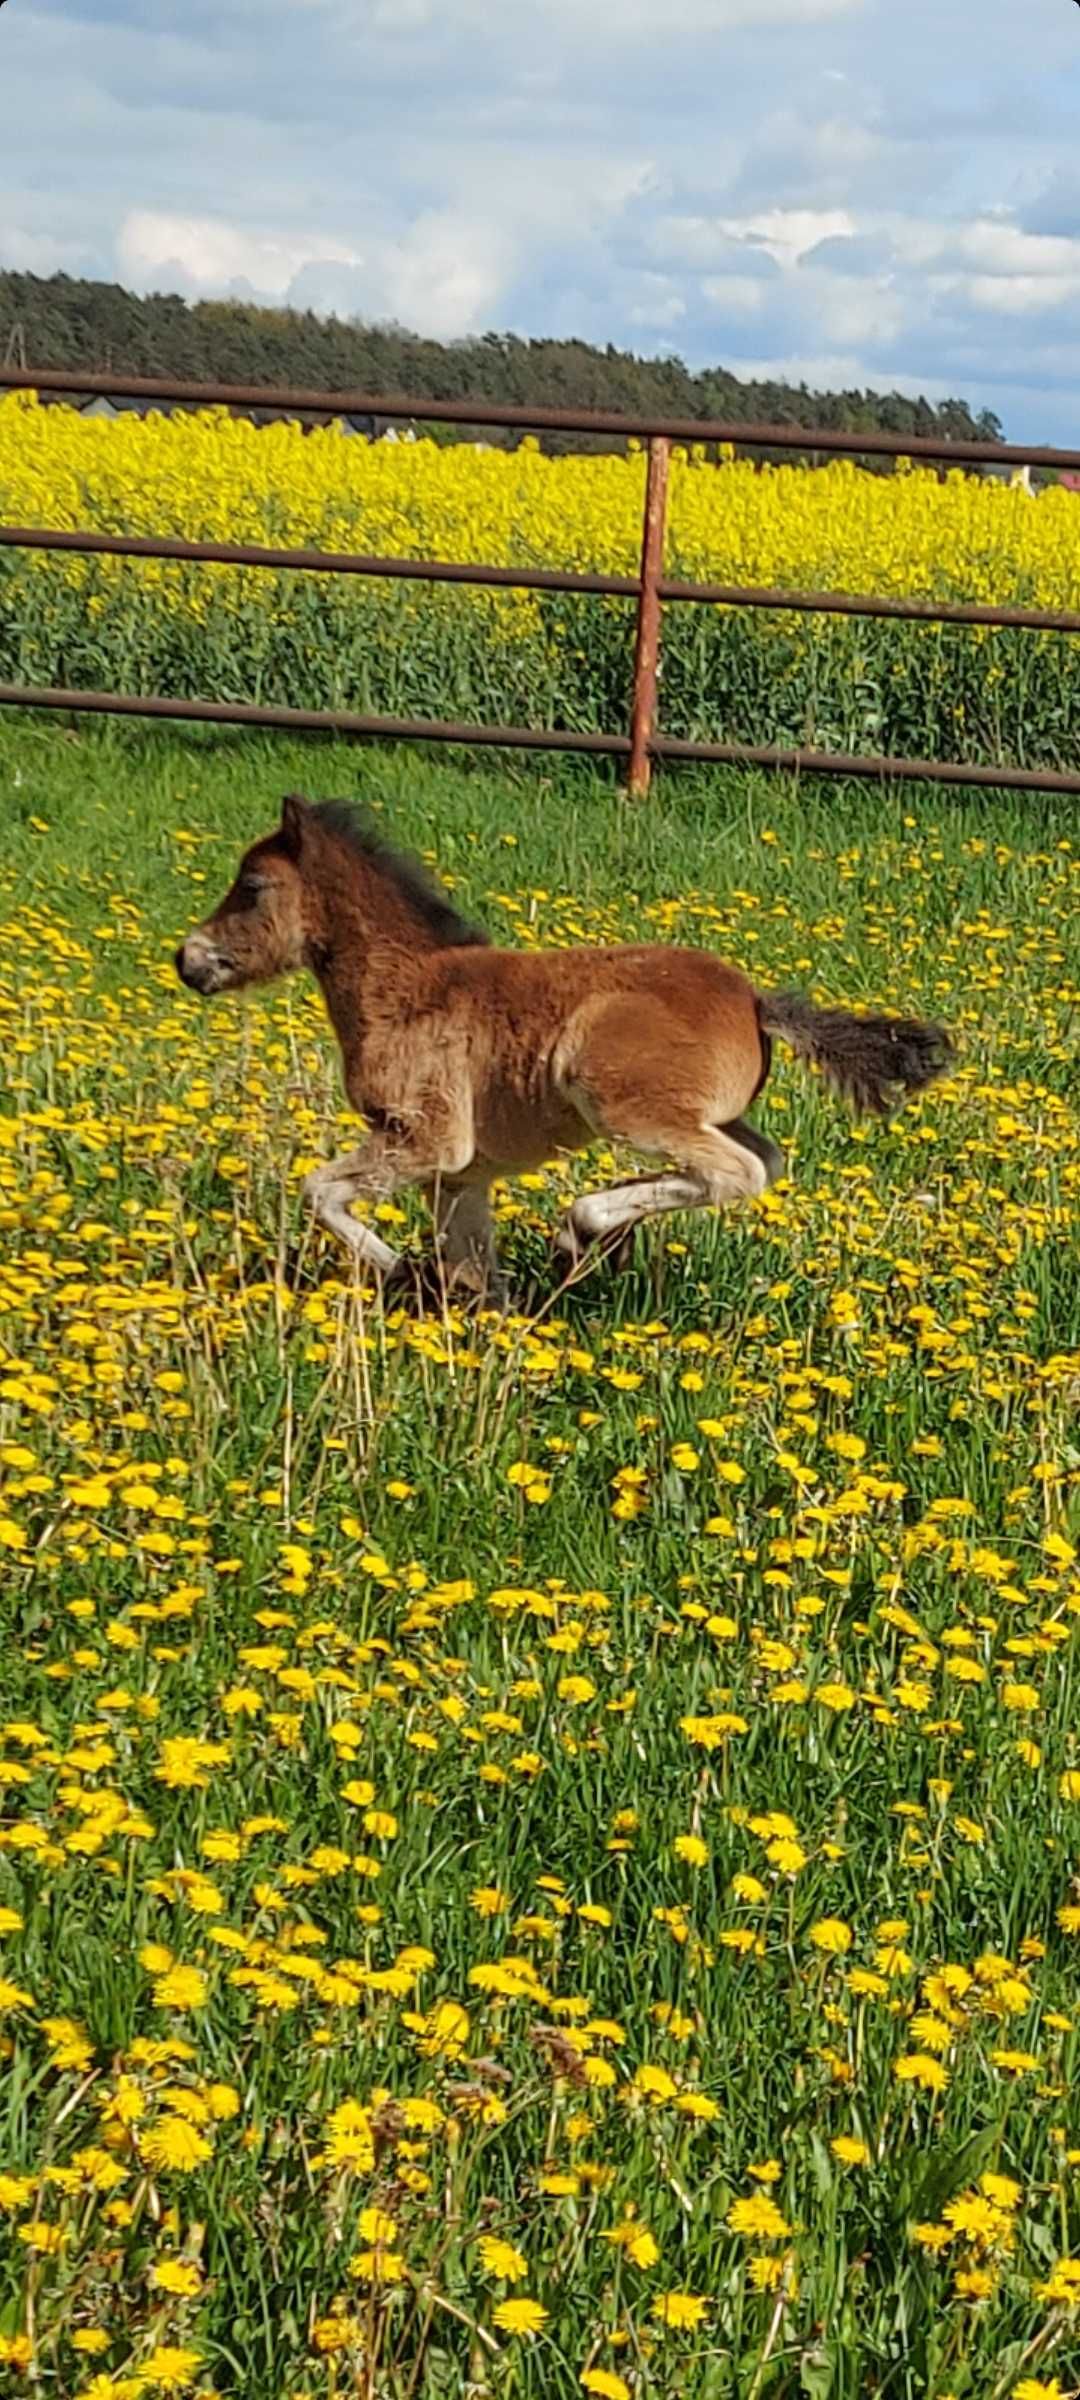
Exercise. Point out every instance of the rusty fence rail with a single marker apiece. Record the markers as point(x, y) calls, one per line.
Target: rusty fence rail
point(650, 587)
point(403, 408)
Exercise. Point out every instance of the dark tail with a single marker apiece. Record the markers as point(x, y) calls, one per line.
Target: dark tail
point(874, 1061)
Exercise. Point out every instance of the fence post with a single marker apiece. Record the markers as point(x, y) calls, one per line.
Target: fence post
point(647, 645)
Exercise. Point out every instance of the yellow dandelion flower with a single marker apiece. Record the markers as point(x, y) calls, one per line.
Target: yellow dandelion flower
point(181, 1988)
point(682, 2312)
point(758, 2219)
point(918, 2067)
point(832, 1935)
point(502, 2260)
point(175, 2146)
point(168, 2369)
point(179, 2276)
point(523, 2317)
point(603, 2384)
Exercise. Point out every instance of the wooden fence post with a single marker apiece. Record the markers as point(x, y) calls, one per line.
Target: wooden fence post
point(647, 646)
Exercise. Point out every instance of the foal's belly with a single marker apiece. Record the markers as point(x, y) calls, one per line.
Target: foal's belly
point(513, 1136)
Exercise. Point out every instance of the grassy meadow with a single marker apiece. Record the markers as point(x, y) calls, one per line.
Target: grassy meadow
point(537, 1855)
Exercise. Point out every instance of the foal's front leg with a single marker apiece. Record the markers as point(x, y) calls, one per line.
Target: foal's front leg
point(464, 1238)
point(373, 1173)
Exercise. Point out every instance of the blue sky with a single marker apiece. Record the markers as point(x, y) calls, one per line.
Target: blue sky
point(837, 190)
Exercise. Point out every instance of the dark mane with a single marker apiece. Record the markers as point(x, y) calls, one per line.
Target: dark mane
point(449, 929)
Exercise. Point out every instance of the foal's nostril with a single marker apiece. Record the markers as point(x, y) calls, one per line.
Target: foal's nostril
point(187, 964)
point(190, 963)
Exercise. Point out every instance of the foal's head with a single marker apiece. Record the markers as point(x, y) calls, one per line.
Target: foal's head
point(324, 881)
point(265, 925)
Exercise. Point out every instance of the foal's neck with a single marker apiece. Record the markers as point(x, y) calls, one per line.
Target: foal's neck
point(371, 939)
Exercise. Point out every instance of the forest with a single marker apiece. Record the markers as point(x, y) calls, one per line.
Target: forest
point(61, 321)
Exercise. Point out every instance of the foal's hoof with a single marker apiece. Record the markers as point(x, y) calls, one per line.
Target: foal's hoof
point(577, 1252)
point(473, 1286)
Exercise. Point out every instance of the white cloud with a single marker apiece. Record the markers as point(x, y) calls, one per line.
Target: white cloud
point(660, 307)
point(734, 297)
point(1016, 295)
point(206, 254)
point(443, 276)
point(868, 312)
point(788, 233)
point(36, 253)
point(1001, 248)
point(758, 244)
point(445, 271)
point(988, 267)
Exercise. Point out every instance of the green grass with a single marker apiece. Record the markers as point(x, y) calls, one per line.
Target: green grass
point(649, 1606)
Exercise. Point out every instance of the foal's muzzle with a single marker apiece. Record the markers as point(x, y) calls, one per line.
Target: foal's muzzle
point(201, 966)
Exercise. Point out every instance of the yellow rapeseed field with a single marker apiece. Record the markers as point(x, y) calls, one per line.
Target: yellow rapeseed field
point(215, 478)
point(548, 659)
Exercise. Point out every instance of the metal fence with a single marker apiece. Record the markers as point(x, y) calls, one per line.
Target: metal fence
point(643, 742)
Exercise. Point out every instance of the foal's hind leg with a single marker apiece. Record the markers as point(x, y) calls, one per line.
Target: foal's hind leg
point(717, 1166)
point(604, 1217)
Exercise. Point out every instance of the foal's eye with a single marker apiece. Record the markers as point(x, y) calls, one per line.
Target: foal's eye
point(248, 892)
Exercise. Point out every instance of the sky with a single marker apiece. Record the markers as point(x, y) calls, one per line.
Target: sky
point(879, 192)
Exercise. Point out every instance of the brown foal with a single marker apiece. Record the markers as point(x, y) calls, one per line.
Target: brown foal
point(471, 1063)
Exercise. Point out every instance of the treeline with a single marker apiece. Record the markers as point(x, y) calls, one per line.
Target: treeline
point(61, 321)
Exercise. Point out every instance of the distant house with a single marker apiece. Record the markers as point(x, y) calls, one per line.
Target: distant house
point(137, 405)
point(1018, 478)
point(123, 406)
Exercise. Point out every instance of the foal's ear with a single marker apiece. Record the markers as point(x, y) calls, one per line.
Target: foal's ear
point(295, 819)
